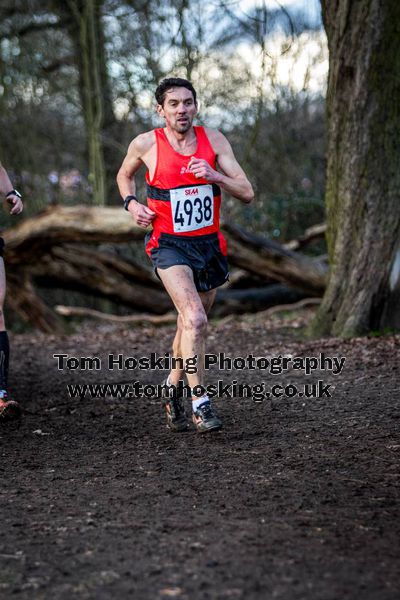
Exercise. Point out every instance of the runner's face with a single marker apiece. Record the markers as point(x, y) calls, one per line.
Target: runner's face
point(178, 109)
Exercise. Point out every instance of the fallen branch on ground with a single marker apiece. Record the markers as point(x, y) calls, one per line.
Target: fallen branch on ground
point(79, 311)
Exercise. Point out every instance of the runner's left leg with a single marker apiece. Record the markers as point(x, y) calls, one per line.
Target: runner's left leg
point(8, 408)
point(4, 345)
point(179, 283)
point(176, 375)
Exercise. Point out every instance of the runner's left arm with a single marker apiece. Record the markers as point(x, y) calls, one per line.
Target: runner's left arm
point(232, 179)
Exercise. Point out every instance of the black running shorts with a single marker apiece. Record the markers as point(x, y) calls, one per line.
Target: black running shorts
point(1, 246)
point(201, 253)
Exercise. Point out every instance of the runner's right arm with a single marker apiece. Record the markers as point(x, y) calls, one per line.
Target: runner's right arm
point(142, 215)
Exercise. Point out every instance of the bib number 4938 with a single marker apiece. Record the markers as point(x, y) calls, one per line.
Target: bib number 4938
point(192, 208)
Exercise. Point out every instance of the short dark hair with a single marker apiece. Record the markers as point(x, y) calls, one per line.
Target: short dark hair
point(170, 82)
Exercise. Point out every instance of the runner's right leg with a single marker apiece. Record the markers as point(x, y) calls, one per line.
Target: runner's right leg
point(173, 402)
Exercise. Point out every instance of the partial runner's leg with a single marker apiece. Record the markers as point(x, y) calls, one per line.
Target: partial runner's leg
point(192, 321)
point(8, 408)
point(179, 283)
point(207, 299)
point(4, 345)
point(177, 374)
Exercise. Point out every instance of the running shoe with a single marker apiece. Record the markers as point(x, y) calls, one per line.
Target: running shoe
point(205, 419)
point(9, 409)
point(174, 409)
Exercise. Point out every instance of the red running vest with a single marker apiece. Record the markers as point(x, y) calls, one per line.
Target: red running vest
point(184, 205)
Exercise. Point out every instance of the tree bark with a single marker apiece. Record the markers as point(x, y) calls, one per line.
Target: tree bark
point(23, 299)
point(85, 29)
point(363, 175)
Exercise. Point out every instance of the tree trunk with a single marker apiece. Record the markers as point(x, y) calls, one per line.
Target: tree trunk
point(85, 33)
point(363, 178)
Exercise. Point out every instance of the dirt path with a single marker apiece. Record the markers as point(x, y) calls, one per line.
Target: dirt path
point(294, 499)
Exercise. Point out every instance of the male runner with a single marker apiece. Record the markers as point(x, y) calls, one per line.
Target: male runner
point(9, 409)
point(185, 245)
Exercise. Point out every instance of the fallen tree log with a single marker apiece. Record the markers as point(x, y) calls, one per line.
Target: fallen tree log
point(316, 232)
point(54, 249)
point(253, 299)
point(263, 257)
point(265, 314)
point(62, 224)
point(241, 279)
point(306, 302)
point(23, 299)
point(145, 318)
point(139, 319)
point(228, 301)
point(83, 269)
point(79, 224)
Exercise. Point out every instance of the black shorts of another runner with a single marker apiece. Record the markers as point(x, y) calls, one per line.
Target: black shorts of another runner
point(1, 247)
point(201, 253)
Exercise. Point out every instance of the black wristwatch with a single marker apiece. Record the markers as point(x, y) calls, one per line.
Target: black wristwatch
point(14, 193)
point(127, 200)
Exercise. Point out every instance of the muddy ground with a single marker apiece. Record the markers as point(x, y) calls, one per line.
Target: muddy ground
point(294, 499)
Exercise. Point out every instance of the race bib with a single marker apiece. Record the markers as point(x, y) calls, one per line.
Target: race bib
point(192, 208)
